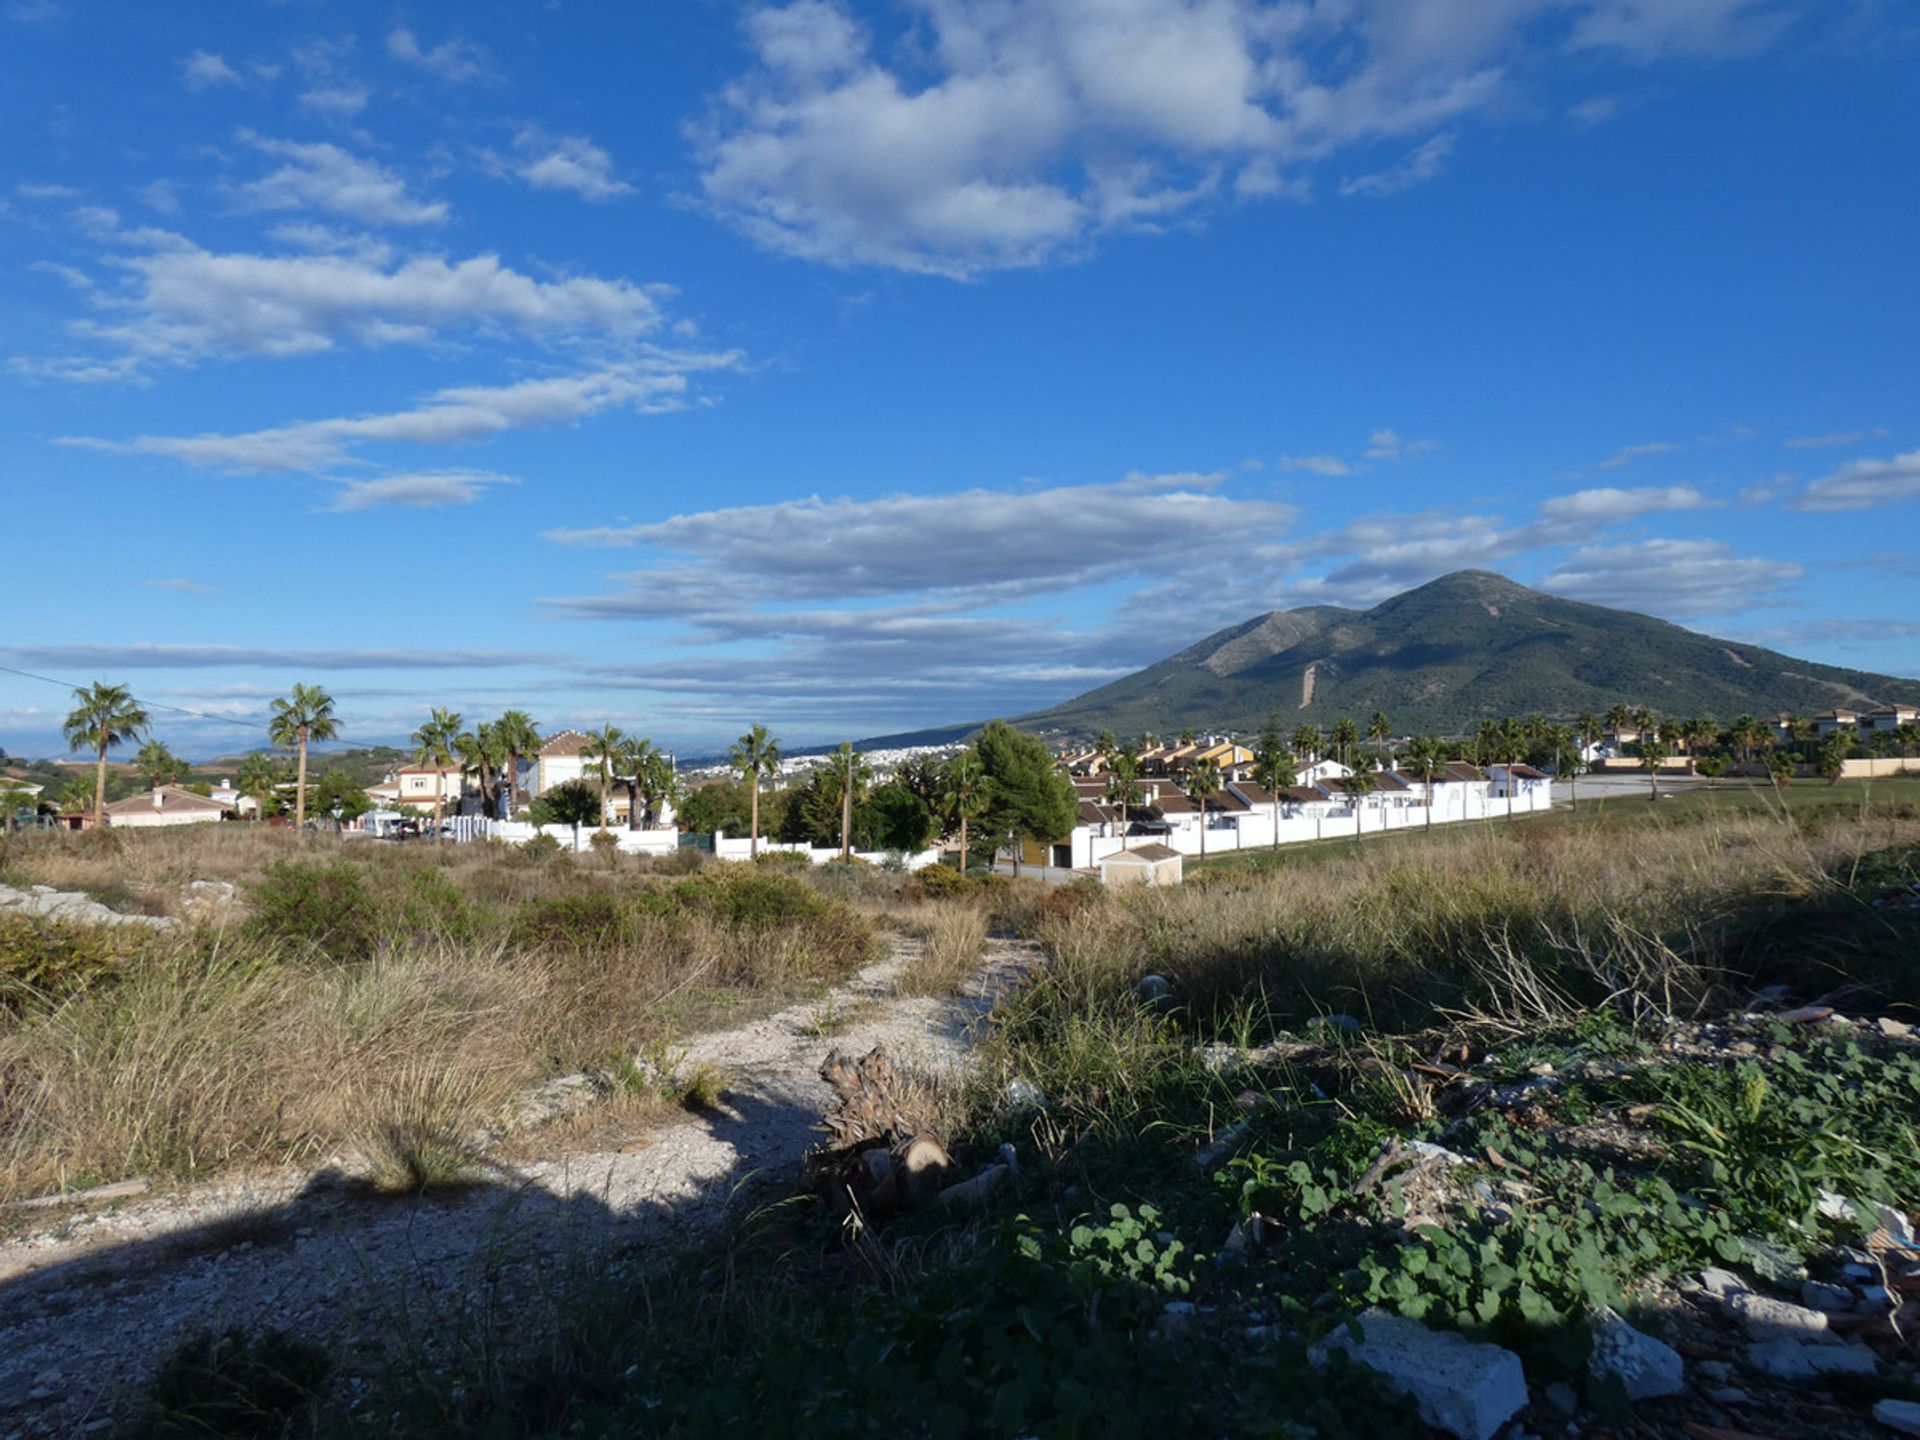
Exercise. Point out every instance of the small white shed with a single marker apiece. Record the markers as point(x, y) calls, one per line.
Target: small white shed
point(1150, 864)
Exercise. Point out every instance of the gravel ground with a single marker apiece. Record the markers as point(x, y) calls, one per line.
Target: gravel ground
point(91, 1302)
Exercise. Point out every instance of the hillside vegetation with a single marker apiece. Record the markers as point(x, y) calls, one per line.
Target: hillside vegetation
point(1464, 648)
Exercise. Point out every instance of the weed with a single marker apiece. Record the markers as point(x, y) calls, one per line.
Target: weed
point(956, 941)
point(236, 1386)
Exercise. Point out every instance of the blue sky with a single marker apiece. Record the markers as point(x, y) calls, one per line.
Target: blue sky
point(855, 368)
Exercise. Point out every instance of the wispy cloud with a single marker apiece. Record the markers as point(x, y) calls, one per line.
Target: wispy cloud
point(203, 70)
point(87, 659)
point(1836, 439)
point(455, 61)
point(1864, 485)
point(653, 383)
point(1329, 465)
point(185, 587)
point(1680, 578)
point(1627, 454)
point(562, 162)
point(418, 490)
point(1419, 165)
point(325, 177)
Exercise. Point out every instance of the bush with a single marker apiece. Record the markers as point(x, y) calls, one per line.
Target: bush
point(595, 922)
point(235, 1385)
point(46, 961)
point(331, 909)
point(540, 847)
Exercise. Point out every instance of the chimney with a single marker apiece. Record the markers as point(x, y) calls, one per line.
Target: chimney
point(158, 801)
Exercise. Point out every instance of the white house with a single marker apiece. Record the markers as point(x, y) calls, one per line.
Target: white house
point(1835, 720)
point(423, 785)
point(1149, 864)
point(1887, 719)
point(164, 805)
point(561, 759)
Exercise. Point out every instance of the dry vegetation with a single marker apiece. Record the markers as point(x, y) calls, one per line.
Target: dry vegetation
point(385, 1000)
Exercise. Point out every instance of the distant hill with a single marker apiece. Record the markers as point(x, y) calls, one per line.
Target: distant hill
point(1463, 648)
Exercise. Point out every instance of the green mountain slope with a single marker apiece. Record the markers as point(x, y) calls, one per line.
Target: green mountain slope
point(1460, 649)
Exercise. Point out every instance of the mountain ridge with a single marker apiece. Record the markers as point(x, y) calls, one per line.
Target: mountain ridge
point(1468, 646)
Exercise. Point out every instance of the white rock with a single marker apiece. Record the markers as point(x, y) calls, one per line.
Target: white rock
point(1767, 1318)
point(1722, 1283)
point(1896, 1224)
point(1797, 1360)
point(1645, 1366)
point(1459, 1386)
point(1835, 1207)
point(1900, 1416)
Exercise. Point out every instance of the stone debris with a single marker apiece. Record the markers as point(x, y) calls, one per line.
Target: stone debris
point(1835, 1299)
point(71, 906)
point(1900, 1416)
point(1647, 1367)
point(1458, 1385)
point(1722, 1283)
point(1766, 1318)
point(1786, 1359)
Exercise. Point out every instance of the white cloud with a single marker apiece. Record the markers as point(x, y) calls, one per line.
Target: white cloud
point(335, 102)
point(161, 195)
point(185, 587)
point(28, 191)
point(462, 415)
point(147, 656)
point(325, 177)
point(1627, 454)
point(183, 304)
point(1606, 505)
point(1594, 110)
point(1387, 445)
point(993, 134)
point(1671, 577)
point(202, 71)
point(418, 490)
point(1835, 439)
point(985, 543)
point(1651, 29)
point(565, 162)
point(1865, 484)
point(454, 61)
point(1420, 164)
point(1329, 465)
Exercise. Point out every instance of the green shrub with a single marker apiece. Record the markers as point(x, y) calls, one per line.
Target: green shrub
point(235, 1386)
point(592, 923)
point(332, 909)
point(325, 907)
point(540, 847)
point(48, 960)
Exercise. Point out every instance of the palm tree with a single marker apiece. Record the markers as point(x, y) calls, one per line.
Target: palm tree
point(102, 717)
point(1564, 747)
point(481, 753)
point(1587, 729)
point(1511, 741)
point(433, 746)
point(854, 773)
point(1619, 717)
point(519, 740)
point(636, 764)
point(157, 764)
point(1123, 788)
point(600, 760)
point(658, 779)
point(1780, 766)
point(1701, 731)
point(1203, 783)
point(1379, 731)
point(753, 755)
point(1907, 737)
point(1346, 735)
point(963, 795)
point(1360, 784)
point(302, 716)
point(76, 794)
point(257, 775)
point(1653, 753)
point(1427, 758)
point(1306, 741)
point(1832, 757)
point(1746, 735)
point(1273, 767)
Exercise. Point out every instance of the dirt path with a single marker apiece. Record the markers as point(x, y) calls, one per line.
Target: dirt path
point(90, 1302)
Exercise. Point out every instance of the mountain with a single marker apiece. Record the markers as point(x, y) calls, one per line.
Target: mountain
point(1443, 657)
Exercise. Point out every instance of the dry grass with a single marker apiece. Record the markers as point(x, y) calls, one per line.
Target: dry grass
point(956, 940)
point(1526, 924)
point(221, 1045)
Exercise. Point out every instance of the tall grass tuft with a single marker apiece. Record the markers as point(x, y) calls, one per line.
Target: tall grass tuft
point(955, 943)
